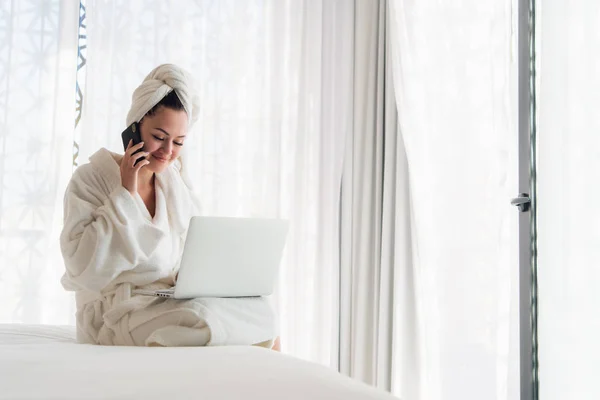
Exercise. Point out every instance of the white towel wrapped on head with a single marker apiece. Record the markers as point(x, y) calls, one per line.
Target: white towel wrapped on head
point(159, 83)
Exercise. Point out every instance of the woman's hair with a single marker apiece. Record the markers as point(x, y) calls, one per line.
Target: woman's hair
point(171, 101)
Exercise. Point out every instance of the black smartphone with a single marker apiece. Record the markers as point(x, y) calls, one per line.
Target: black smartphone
point(133, 133)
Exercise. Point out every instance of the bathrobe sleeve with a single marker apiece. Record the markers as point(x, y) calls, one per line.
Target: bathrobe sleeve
point(101, 232)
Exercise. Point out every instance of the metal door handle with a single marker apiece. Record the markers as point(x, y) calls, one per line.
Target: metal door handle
point(523, 202)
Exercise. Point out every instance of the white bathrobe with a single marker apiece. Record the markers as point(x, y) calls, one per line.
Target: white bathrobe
point(111, 245)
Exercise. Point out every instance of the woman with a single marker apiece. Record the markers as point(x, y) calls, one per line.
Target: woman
point(125, 226)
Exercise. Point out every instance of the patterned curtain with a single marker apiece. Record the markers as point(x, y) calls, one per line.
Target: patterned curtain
point(38, 43)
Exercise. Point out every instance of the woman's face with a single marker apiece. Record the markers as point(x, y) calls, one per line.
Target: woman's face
point(163, 134)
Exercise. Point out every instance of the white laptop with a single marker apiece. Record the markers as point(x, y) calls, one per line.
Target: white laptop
point(228, 257)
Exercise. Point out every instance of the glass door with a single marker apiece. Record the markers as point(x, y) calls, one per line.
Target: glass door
point(568, 206)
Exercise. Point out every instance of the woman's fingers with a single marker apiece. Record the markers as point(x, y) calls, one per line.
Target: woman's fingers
point(141, 164)
point(135, 157)
point(140, 154)
point(132, 149)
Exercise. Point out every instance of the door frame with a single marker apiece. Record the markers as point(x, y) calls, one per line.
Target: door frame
point(528, 307)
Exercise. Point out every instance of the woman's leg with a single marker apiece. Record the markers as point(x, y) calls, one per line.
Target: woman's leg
point(174, 328)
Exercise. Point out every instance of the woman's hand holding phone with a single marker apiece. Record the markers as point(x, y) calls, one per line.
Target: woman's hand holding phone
point(129, 168)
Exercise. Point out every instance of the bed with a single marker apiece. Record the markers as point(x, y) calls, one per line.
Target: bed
point(45, 362)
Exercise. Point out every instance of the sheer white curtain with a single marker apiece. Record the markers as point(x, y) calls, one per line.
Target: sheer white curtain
point(455, 80)
point(274, 86)
point(38, 59)
point(568, 199)
point(375, 213)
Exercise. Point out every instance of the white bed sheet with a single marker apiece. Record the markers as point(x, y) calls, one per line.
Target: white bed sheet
point(45, 362)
